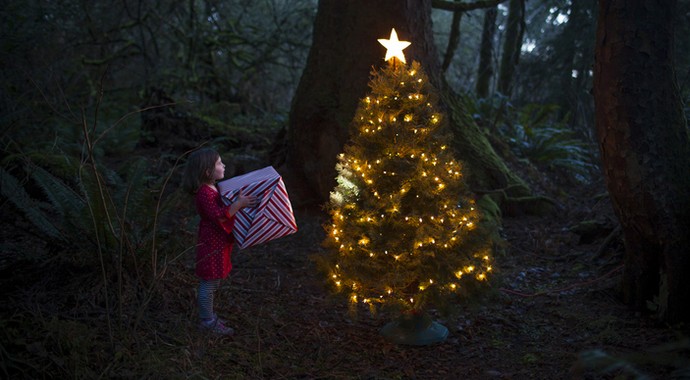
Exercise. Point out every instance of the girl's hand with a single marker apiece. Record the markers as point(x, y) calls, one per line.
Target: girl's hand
point(246, 201)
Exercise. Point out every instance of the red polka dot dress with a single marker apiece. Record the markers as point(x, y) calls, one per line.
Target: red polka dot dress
point(215, 235)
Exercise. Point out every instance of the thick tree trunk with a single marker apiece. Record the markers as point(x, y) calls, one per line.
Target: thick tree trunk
point(645, 151)
point(344, 51)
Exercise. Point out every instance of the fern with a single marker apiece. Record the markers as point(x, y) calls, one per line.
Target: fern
point(670, 357)
point(122, 208)
point(63, 198)
point(135, 203)
point(555, 148)
point(33, 209)
point(535, 133)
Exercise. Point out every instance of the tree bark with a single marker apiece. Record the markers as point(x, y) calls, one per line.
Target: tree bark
point(645, 151)
point(486, 70)
point(453, 40)
point(344, 51)
point(511, 46)
point(574, 51)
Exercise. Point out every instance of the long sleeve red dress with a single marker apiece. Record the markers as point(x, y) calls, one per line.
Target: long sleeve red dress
point(215, 238)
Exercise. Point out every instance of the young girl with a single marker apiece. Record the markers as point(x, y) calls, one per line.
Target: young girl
point(204, 167)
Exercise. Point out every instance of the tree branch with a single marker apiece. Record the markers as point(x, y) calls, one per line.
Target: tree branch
point(463, 7)
point(453, 40)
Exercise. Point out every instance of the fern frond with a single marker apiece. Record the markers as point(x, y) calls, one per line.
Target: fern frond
point(12, 189)
point(63, 198)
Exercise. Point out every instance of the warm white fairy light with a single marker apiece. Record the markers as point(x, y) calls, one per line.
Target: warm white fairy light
point(397, 124)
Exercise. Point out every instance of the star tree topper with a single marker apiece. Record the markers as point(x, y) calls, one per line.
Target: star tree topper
point(394, 47)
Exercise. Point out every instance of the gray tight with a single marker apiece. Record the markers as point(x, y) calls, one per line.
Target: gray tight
point(205, 297)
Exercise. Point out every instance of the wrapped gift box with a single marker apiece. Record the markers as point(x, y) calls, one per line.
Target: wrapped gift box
point(272, 218)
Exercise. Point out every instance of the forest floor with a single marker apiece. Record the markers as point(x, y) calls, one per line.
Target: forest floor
point(555, 312)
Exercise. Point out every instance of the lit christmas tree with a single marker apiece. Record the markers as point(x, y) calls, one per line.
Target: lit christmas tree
point(403, 230)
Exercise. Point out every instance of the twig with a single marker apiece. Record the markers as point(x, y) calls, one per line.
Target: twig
point(154, 251)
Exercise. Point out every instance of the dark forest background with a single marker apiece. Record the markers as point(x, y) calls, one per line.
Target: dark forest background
point(102, 101)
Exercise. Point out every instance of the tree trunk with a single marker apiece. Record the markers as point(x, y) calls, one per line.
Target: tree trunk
point(453, 40)
point(486, 70)
point(344, 51)
point(645, 151)
point(567, 48)
point(574, 52)
point(511, 46)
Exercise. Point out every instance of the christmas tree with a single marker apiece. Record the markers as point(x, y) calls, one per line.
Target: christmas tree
point(403, 230)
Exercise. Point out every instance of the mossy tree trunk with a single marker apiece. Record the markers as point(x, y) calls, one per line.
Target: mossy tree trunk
point(344, 50)
point(645, 151)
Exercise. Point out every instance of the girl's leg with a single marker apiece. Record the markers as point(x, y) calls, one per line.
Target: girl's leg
point(209, 320)
point(207, 288)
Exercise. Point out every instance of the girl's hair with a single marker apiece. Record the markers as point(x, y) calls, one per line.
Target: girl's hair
point(199, 169)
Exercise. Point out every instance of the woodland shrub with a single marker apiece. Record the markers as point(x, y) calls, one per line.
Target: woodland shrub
point(536, 134)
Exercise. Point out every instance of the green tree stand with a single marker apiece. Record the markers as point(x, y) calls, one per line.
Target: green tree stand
point(415, 329)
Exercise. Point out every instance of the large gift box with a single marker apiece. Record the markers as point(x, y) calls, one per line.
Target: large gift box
point(272, 218)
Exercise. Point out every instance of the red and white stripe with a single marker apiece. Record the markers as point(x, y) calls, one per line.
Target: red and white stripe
point(272, 218)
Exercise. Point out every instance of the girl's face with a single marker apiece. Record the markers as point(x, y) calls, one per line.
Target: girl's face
point(218, 170)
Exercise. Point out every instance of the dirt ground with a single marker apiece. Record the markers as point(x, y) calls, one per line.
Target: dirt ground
point(554, 313)
point(555, 310)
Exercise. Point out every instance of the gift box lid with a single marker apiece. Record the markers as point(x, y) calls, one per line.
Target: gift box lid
point(234, 183)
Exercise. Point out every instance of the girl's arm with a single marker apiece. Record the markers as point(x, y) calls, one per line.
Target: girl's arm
point(209, 208)
point(230, 211)
point(241, 202)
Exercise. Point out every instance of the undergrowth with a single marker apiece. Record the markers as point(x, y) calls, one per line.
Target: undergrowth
point(536, 133)
point(71, 311)
point(103, 298)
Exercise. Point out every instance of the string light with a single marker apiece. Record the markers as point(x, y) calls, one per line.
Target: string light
point(395, 208)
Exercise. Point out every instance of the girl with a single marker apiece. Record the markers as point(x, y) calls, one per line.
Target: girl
point(204, 167)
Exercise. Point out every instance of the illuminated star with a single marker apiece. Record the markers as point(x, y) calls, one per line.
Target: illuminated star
point(394, 46)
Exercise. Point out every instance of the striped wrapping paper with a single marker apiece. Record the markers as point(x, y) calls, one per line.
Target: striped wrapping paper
point(272, 218)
